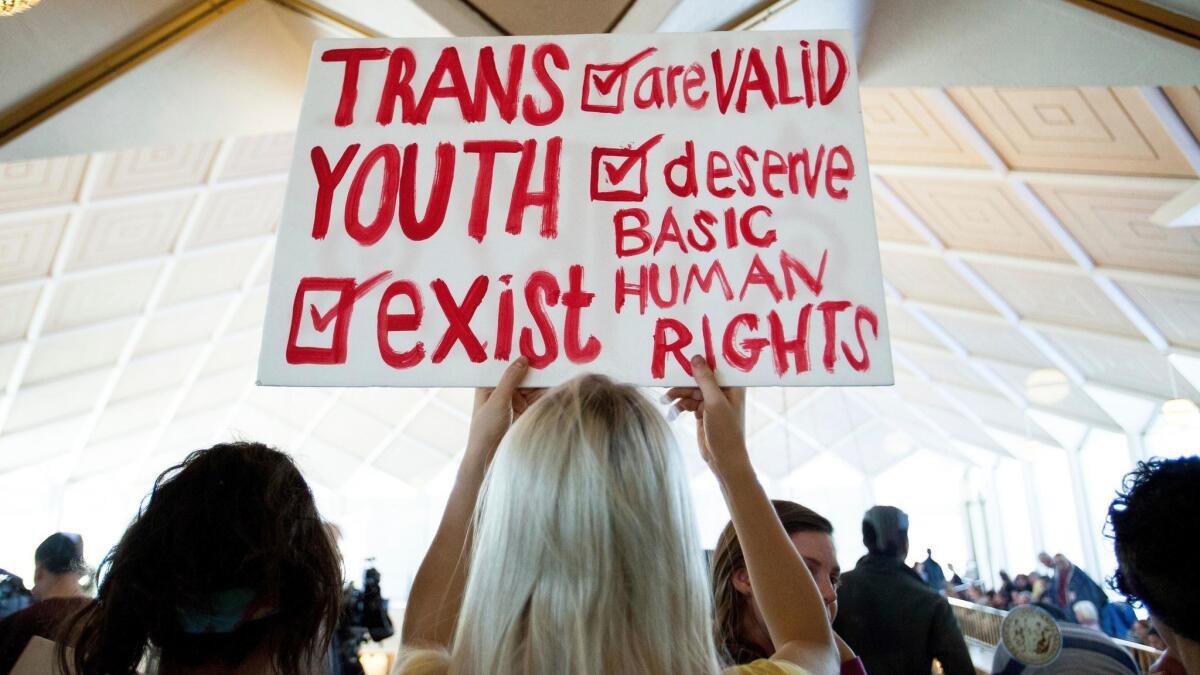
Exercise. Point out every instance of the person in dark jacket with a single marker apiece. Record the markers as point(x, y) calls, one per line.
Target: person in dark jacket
point(57, 594)
point(934, 576)
point(889, 616)
point(1071, 585)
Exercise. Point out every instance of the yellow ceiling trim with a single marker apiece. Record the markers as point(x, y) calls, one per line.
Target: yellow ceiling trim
point(315, 11)
point(86, 79)
point(1148, 17)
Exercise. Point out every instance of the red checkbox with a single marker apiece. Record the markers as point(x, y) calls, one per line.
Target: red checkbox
point(604, 84)
point(619, 174)
point(336, 313)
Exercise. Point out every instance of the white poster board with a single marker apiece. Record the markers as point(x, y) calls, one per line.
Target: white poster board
point(606, 203)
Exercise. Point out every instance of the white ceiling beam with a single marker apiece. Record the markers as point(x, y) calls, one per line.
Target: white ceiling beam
point(395, 433)
point(1090, 180)
point(1174, 125)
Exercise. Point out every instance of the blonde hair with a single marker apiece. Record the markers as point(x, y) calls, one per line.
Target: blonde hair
point(586, 556)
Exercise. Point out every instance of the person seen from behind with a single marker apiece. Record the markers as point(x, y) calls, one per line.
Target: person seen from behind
point(740, 629)
point(227, 569)
point(1155, 525)
point(59, 569)
point(934, 575)
point(888, 615)
point(582, 555)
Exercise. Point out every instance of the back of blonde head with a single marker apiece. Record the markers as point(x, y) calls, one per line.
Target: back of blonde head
point(586, 558)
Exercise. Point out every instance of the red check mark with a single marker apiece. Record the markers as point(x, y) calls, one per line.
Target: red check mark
point(322, 321)
point(616, 173)
point(604, 83)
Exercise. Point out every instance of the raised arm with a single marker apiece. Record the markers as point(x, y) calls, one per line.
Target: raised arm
point(787, 596)
point(433, 603)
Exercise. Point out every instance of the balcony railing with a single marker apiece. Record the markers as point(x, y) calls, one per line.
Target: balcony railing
point(981, 625)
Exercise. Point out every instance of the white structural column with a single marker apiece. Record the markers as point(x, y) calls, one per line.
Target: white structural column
point(1089, 530)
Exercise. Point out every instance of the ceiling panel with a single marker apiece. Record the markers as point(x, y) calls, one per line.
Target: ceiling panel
point(1075, 403)
point(978, 215)
point(384, 404)
point(28, 245)
point(40, 182)
point(238, 213)
point(831, 416)
point(153, 168)
point(194, 276)
point(297, 406)
point(438, 429)
point(325, 463)
point(891, 227)
point(351, 430)
point(1173, 309)
point(1073, 129)
point(159, 372)
point(56, 400)
point(1067, 297)
point(185, 324)
point(411, 462)
point(237, 350)
point(926, 276)
point(8, 359)
point(100, 296)
point(1114, 227)
point(903, 326)
point(907, 126)
point(76, 351)
point(258, 155)
point(16, 309)
point(122, 418)
point(1132, 364)
point(217, 391)
point(944, 366)
point(777, 452)
point(112, 234)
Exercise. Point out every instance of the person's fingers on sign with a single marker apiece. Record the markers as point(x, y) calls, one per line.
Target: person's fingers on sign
point(496, 408)
point(720, 414)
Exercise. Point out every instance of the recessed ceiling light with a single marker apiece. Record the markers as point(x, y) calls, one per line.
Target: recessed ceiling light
point(10, 7)
point(1047, 386)
point(1180, 412)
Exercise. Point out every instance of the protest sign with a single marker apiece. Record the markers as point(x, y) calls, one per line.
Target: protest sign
point(605, 203)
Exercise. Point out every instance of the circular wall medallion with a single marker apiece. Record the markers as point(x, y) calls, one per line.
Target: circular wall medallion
point(1031, 636)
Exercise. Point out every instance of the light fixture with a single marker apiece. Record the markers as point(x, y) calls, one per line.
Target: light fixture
point(10, 7)
point(1047, 386)
point(1180, 412)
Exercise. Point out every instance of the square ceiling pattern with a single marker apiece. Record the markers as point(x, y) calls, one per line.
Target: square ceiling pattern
point(1014, 231)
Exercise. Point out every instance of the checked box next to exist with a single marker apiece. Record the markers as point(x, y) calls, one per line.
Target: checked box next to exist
point(619, 174)
point(604, 84)
point(326, 302)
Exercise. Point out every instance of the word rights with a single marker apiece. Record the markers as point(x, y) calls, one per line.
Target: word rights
point(613, 204)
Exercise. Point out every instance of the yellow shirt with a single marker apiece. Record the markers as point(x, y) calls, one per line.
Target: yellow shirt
point(765, 667)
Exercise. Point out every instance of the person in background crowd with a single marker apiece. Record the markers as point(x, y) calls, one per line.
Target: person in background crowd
point(1084, 652)
point(227, 568)
point(583, 555)
point(1155, 524)
point(888, 615)
point(1116, 619)
point(1022, 598)
point(1086, 614)
point(1070, 585)
point(1021, 583)
point(954, 578)
point(934, 576)
point(1038, 584)
point(1006, 588)
point(740, 629)
point(59, 568)
point(1047, 561)
point(1139, 632)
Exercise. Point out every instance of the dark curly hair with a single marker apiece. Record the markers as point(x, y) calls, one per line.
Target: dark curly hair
point(1155, 522)
point(236, 518)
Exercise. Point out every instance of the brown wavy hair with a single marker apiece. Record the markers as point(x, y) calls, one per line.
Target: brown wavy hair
point(731, 606)
point(233, 516)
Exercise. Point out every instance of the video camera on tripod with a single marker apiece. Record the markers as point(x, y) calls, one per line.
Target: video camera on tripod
point(364, 617)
